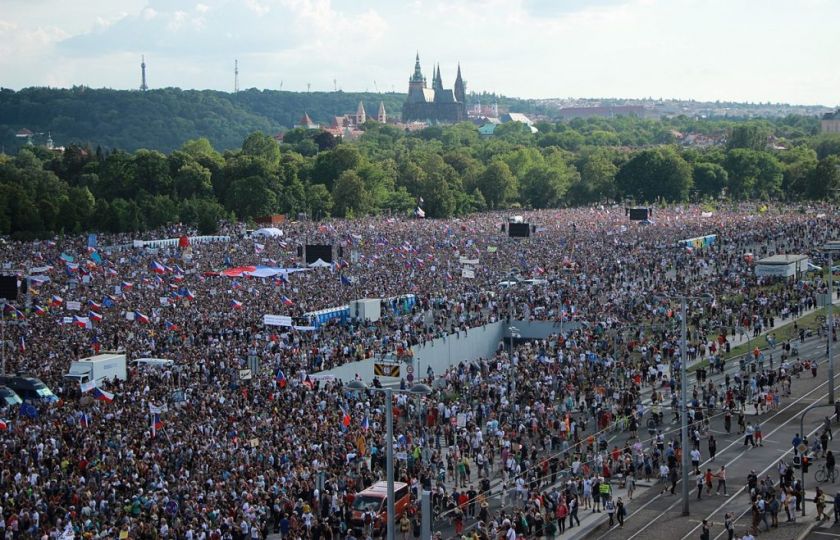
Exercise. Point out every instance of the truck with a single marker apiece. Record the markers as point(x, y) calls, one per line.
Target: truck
point(110, 366)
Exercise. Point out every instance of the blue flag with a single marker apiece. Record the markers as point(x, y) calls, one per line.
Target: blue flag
point(28, 409)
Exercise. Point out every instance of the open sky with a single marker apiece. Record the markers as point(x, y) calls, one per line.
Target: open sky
point(738, 50)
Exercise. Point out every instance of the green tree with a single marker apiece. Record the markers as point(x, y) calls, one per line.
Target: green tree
point(251, 197)
point(193, 180)
point(350, 196)
point(655, 173)
point(824, 181)
point(497, 184)
point(751, 136)
point(329, 165)
point(319, 201)
point(262, 146)
point(710, 179)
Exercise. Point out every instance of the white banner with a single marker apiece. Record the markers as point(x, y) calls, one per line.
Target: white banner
point(277, 320)
point(74, 306)
point(468, 273)
point(464, 260)
point(245, 374)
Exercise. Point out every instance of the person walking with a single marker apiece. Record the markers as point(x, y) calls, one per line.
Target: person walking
point(721, 480)
point(609, 508)
point(712, 447)
point(620, 512)
point(729, 525)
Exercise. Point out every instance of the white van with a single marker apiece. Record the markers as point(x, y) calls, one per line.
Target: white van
point(161, 363)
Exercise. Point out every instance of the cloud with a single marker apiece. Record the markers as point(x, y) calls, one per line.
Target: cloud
point(228, 28)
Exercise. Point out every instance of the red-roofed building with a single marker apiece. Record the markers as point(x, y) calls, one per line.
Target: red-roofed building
point(306, 123)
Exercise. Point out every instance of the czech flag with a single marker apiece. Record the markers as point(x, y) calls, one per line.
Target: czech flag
point(126, 285)
point(102, 395)
point(139, 317)
point(280, 377)
point(157, 268)
point(188, 294)
point(84, 420)
point(22, 343)
point(39, 310)
point(81, 322)
point(170, 326)
point(157, 423)
point(95, 345)
point(365, 424)
point(56, 300)
point(94, 306)
point(111, 272)
point(235, 304)
point(286, 300)
point(94, 316)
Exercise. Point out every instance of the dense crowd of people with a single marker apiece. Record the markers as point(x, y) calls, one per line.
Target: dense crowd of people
point(287, 450)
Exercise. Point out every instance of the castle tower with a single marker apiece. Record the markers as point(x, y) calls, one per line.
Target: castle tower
point(361, 116)
point(417, 80)
point(380, 116)
point(437, 83)
point(460, 87)
point(143, 85)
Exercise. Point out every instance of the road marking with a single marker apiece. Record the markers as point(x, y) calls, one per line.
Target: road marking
point(729, 446)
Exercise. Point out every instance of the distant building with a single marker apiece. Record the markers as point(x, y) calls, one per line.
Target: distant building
point(830, 122)
point(306, 123)
point(518, 117)
point(436, 104)
point(608, 111)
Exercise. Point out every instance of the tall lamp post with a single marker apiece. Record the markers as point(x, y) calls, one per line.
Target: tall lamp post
point(418, 390)
point(684, 392)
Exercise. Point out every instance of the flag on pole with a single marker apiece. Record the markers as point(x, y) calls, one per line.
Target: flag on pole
point(235, 304)
point(94, 316)
point(84, 420)
point(365, 423)
point(39, 310)
point(139, 317)
point(345, 417)
point(157, 268)
point(280, 378)
point(258, 248)
point(286, 300)
point(345, 280)
point(22, 344)
point(56, 300)
point(102, 395)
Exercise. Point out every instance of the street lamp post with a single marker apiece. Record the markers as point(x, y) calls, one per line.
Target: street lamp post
point(417, 389)
point(683, 403)
point(684, 395)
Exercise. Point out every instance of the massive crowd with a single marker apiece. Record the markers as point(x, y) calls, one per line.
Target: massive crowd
point(286, 451)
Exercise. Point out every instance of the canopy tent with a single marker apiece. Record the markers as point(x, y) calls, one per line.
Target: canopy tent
point(320, 264)
point(268, 232)
point(256, 271)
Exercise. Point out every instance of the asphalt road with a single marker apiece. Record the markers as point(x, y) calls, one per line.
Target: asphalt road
point(660, 516)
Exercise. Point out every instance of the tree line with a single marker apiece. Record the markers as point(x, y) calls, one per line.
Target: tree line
point(453, 170)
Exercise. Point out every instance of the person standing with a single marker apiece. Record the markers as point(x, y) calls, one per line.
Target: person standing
point(729, 525)
point(620, 511)
point(705, 531)
point(609, 508)
point(712, 447)
point(721, 480)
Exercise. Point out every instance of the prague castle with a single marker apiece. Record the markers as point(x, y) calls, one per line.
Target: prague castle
point(436, 104)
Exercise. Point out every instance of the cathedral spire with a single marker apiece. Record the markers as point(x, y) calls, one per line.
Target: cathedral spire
point(418, 74)
point(460, 89)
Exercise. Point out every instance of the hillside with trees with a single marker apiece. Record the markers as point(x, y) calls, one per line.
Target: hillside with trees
point(452, 168)
point(165, 119)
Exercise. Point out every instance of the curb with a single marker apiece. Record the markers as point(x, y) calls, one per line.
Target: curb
point(808, 530)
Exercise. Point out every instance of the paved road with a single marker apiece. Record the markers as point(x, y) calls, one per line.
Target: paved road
point(658, 514)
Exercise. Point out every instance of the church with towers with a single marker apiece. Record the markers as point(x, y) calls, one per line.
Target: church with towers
point(436, 104)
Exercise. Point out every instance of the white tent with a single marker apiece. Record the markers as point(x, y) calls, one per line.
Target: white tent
point(268, 232)
point(320, 264)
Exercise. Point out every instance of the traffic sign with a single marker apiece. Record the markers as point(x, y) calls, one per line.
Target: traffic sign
point(409, 368)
